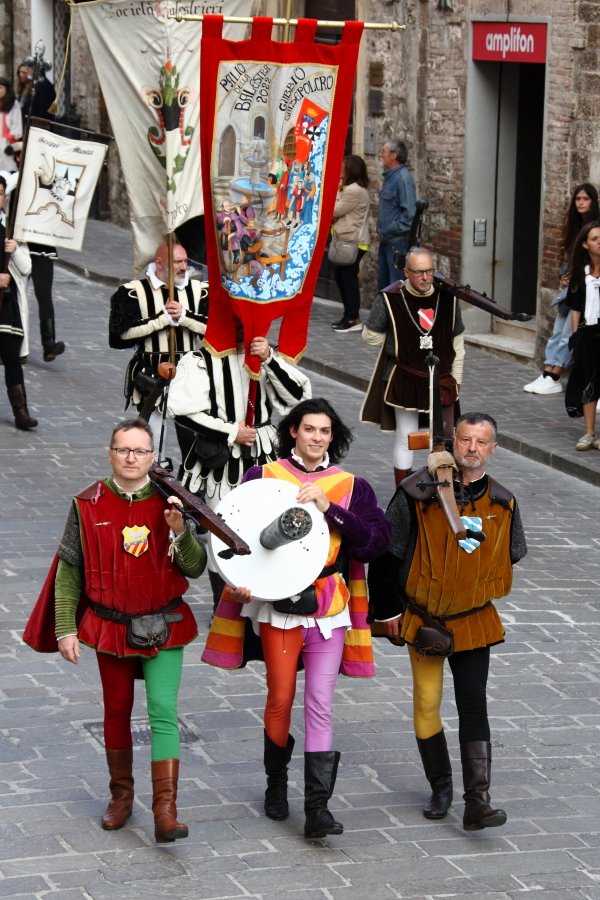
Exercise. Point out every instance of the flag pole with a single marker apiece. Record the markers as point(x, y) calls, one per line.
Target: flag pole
point(291, 23)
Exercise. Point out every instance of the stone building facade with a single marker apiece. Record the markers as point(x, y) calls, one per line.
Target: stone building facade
point(496, 143)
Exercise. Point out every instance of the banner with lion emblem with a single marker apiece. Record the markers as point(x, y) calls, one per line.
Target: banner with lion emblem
point(149, 70)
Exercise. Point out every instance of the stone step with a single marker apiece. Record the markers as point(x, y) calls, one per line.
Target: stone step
point(507, 346)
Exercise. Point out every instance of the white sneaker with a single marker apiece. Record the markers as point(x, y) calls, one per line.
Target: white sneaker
point(533, 384)
point(585, 443)
point(548, 386)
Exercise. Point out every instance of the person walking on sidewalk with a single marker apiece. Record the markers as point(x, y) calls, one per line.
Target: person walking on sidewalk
point(135, 565)
point(350, 223)
point(11, 321)
point(42, 255)
point(582, 208)
point(583, 386)
point(330, 635)
point(408, 320)
point(426, 569)
point(397, 204)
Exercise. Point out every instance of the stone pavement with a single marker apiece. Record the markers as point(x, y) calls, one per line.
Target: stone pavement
point(544, 700)
point(531, 425)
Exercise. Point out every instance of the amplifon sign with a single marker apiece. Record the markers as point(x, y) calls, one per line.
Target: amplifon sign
point(510, 42)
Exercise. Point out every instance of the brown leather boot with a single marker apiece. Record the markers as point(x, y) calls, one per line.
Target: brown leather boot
point(18, 401)
point(120, 766)
point(165, 775)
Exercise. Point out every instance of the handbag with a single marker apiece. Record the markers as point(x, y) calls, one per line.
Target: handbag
point(211, 448)
point(344, 253)
point(431, 639)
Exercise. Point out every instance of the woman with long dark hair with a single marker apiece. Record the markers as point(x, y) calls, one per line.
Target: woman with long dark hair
point(583, 387)
point(582, 208)
point(350, 223)
point(11, 125)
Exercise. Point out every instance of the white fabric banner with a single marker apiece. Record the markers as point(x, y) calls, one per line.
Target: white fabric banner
point(149, 70)
point(57, 185)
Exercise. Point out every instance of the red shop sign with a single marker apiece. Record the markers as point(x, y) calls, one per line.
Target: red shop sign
point(510, 42)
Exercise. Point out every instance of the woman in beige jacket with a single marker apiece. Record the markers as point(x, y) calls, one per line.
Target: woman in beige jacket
point(351, 223)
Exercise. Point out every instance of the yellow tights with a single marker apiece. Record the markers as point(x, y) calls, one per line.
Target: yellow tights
point(428, 684)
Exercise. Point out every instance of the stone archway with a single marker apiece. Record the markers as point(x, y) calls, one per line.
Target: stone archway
point(227, 152)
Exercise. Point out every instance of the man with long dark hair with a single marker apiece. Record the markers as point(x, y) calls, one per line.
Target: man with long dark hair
point(325, 627)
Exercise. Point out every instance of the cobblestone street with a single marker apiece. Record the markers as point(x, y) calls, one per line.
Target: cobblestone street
point(544, 682)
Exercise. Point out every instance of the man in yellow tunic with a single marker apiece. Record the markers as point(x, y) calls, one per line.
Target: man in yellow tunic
point(456, 582)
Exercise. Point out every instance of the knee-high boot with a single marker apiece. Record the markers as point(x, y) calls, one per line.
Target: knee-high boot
point(438, 771)
point(276, 761)
point(476, 758)
point(320, 771)
point(52, 348)
point(18, 401)
point(120, 767)
point(165, 775)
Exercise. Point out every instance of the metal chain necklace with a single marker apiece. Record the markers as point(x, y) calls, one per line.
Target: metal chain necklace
point(425, 340)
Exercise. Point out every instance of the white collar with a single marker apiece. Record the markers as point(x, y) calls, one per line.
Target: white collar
point(156, 282)
point(324, 464)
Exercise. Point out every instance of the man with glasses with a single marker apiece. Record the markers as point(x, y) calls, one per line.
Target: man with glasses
point(397, 199)
point(129, 553)
point(142, 316)
point(408, 320)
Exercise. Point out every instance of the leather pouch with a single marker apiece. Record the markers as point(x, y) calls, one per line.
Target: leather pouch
point(305, 605)
point(152, 630)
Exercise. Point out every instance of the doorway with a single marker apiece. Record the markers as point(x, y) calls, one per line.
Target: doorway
point(503, 179)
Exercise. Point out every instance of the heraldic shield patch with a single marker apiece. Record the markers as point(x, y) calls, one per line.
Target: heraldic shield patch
point(135, 539)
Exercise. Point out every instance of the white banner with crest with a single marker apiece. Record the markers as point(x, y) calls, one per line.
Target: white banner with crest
point(149, 70)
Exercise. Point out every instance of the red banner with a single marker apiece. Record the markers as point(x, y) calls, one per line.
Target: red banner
point(274, 118)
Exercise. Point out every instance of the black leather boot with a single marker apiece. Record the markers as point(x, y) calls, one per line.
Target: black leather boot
point(276, 761)
point(18, 401)
point(52, 347)
point(476, 758)
point(320, 771)
point(438, 771)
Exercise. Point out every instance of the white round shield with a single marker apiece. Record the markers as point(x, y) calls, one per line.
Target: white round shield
point(252, 510)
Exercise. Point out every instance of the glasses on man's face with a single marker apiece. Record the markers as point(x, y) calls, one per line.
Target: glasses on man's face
point(421, 273)
point(123, 452)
